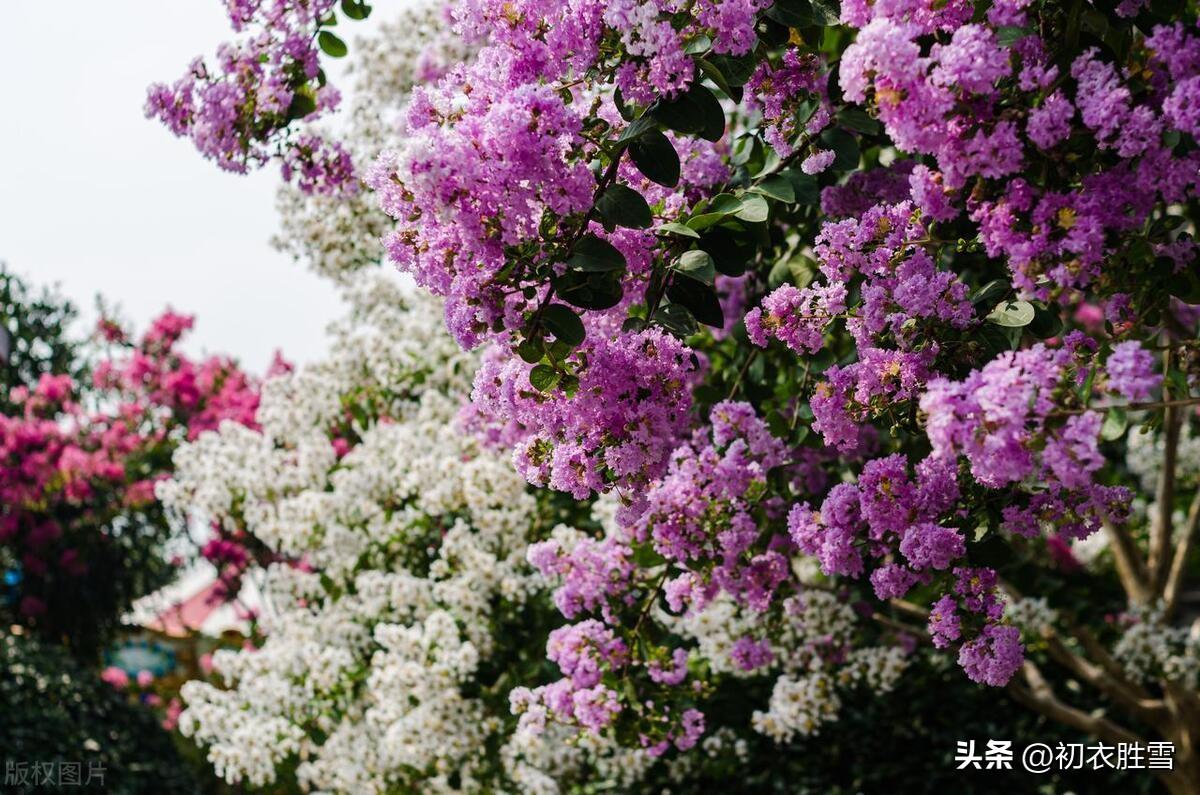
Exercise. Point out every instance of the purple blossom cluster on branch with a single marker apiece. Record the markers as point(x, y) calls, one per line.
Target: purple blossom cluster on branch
point(840, 305)
point(236, 110)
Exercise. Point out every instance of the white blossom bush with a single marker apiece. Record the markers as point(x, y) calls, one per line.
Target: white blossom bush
point(337, 235)
point(400, 604)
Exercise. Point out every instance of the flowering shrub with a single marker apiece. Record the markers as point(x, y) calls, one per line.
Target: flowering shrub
point(883, 307)
point(394, 607)
point(81, 534)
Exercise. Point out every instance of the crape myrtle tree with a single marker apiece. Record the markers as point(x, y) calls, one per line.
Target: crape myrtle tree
point(874, 324)
point(35, 337)
point(83, 440)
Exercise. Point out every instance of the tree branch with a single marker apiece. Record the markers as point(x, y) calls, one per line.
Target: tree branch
point(1039, 696)
point(1148, 709)
point(1161, 529)
point(1131, 569)
point(1183, 550)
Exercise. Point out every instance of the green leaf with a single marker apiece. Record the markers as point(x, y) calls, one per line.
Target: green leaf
point(594, 255)
point(1009, 35)
point(778, 187)
point(623, 108)
point(858, 120)
point(1115, 423)
point(793, 13)
point(845, 149)
point(530, 351)
point(754, 208)
point(1045, 324)
point(655, 157)
point(714, 74)
point(302, 105)
point(698, 264)
point(826, 12)
point(636, 129)
point(595, 290)
point(698, 298)
point(679, 229)
point(694, 112)
point(991, 291)
point(331, 44)
point(355, 9)
point(797, 269)
point(564, 324)
point(1012, 314)
point(730, 251)
point(805, 186)
point(676, 319)
point(623, 206)
point(543, 377)
point(716, 210)
point(736, 69)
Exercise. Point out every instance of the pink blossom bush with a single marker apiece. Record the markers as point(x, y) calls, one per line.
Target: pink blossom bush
point(78, 467)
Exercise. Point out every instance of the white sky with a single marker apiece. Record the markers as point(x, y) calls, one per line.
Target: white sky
point(99, 199)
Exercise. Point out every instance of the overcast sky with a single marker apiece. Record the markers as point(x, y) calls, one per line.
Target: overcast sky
point(99, 199)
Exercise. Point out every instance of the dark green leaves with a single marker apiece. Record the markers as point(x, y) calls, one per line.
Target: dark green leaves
point(593, 255)
point(302, 104)
point(678, 229)
point(858, 120)
point(697, 264)
point(1009, 35)
point(777, 187)
point(564, 324)
point(845, 149)
point(694, 112)
point(730, 251)
point(655, 157)
point(622, 206)
point(331, 45)
point(698, 298)
point(793, 13)
point(825, 12)
point(590, 290)
point(735, 70)
point(805, 13)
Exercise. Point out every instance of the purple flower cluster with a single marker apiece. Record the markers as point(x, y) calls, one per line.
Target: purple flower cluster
point(995, 653)
point(947, 103)
point(236, 112)
point(1005, 420)
point(796, 317)
point(479, 170)
point(885, 512)
point(703, 514)
point(776, 91)
point(616, 429)
point(1130, 370)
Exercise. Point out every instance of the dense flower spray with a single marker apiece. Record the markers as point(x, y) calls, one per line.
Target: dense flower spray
point(955, 245)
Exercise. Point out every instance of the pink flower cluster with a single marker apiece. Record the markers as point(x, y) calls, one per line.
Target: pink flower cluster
point(69, 472)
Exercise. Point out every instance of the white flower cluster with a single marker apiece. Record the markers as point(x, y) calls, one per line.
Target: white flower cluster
point(1032, 615)
point(806, 691)
point(1144, 455)
point(339, 235)
point(402, 544)
point(1152, 649)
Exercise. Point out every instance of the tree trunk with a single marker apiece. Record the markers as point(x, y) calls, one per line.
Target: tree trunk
point(1184, 707)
